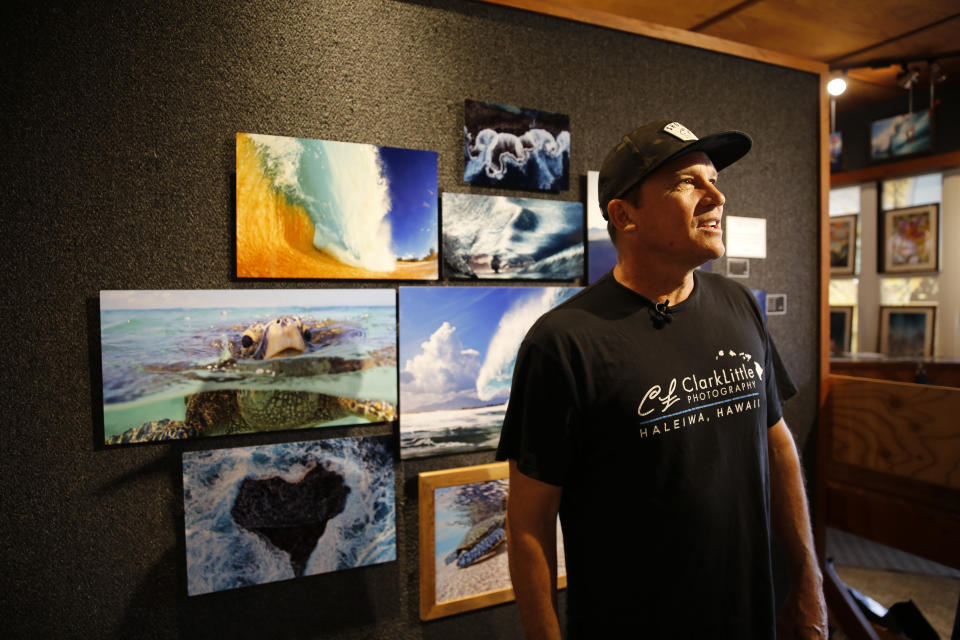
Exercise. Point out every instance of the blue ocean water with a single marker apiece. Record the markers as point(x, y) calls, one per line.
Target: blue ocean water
point(222, 555)
point(534, 160)
point(153, 359)
point(345, 188)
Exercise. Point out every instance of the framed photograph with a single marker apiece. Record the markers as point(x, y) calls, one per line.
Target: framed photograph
point(463, 548)
point(841, 328)
point(836, 151)
point(325, 209)
point(506, 238)
point(907, 332)
point(843, 245)
point(901, 135)
point(196, 363)
point(776, 304)
point(738, 267)
point(275, 512)
point(458, 347)
point(515, 148)
point(911, 239)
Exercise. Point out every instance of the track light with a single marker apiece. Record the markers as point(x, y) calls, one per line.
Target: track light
point(908, 77)
point(836, 86)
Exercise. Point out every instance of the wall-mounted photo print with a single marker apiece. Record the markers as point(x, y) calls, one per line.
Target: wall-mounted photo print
point(325, 209)
point(515, 148)
point(776, 304)
point(458, 347)
point(911, 239)
point(738, 267)
point(902, 135)
point(907, 331)
point(184, 364)
point(463, 543)
point(262, 514)
point(601, 253)
point(841, 329)
point(497, 237)
point(843, 245)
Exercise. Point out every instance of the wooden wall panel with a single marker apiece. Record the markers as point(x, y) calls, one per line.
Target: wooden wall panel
point(907, 430)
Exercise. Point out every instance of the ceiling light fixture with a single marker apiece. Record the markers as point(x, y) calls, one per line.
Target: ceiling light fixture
point(836, 86)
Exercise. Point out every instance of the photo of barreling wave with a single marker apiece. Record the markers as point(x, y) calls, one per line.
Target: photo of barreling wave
point(502, 238)
point(515, 148)
point(324, 209)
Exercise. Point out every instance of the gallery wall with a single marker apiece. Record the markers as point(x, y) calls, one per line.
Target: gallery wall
point(119, 135)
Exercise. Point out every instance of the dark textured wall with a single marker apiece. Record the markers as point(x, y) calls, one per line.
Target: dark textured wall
point(118, 134)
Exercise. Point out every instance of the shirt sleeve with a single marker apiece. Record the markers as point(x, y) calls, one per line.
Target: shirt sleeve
point(541, 415)
point(779, 386)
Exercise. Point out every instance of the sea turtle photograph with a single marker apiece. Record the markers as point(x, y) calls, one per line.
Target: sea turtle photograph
point(470, 539)
point(184, 364)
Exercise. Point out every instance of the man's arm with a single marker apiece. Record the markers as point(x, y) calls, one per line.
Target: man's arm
point(532, 508)
point(804, 614)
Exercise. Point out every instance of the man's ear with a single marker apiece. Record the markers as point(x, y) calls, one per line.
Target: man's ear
point(619, 212)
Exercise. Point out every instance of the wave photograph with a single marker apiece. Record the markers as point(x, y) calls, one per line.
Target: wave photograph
point(458, 348)
point(498, 237)
point(325, 209)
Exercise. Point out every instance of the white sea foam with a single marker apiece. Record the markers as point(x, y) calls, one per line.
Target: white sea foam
point(352, 224)
point(281, 156)
point(344, 189)
point(497, 368)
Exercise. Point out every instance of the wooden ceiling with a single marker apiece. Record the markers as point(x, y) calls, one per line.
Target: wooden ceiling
point(868, 39)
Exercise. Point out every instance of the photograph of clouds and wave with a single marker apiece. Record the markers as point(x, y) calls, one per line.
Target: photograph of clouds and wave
point(458, 347)
point(515, 148)
point(325, 209)
point(496, 237)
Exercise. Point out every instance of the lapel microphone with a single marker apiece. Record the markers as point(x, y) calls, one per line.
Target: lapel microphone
point(660, 314)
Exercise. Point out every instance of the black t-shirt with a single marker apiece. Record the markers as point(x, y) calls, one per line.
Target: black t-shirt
point(657, 434)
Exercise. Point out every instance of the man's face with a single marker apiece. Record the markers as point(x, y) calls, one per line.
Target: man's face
point(679, 211)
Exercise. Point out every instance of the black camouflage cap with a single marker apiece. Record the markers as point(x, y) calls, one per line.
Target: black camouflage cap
point(646, 148)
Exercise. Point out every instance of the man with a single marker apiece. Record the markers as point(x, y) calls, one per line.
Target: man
point(646, 410)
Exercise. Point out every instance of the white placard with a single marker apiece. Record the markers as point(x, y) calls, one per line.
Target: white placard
point(746, 237)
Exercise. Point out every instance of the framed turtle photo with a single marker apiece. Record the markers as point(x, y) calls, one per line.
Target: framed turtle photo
point(193, 363)
point(463, 542)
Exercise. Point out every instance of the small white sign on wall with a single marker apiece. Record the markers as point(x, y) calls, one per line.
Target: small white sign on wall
point(746, 237)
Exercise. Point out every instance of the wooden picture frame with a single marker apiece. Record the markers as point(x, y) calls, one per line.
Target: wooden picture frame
point(907, 331)
point(843, 245)
point(841, 328)
point(436, 599)
point(910, 239)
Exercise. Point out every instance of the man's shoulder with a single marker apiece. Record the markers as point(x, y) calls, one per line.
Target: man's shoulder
point(716, 284)
point(576, 314)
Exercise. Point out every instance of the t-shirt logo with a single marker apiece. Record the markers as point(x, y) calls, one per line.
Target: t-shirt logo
point(679, 132)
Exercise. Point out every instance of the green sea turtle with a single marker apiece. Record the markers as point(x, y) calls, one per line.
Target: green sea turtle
point(480, 542)
point(272, 349)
